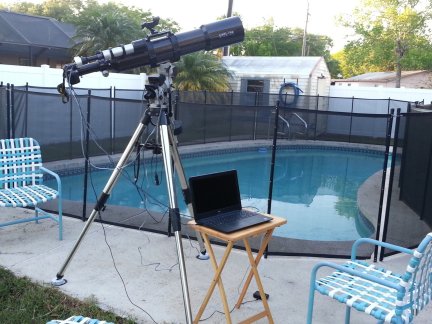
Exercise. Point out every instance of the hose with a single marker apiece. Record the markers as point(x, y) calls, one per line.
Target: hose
point(283, 97)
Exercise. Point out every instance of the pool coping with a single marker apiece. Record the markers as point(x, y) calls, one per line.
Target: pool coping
point(278, 245)
point(194, 149)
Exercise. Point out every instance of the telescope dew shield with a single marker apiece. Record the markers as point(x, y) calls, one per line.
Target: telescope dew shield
point(158, 48)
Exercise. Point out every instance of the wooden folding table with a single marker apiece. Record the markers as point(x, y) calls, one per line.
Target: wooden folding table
point(265, 229)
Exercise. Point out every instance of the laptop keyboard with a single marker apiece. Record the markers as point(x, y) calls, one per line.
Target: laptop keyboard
point(227, 218)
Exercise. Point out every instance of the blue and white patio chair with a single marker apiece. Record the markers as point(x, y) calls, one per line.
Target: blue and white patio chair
point(388, 296)
point(78, 319)
point(21, 177)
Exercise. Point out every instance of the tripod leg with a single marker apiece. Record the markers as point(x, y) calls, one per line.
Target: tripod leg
point(174, 212)
point(184, 185)
point(59, 280)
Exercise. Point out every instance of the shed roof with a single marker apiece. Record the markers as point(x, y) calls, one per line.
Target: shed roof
point(289, 66)
point(28, 30)
point(382, 76)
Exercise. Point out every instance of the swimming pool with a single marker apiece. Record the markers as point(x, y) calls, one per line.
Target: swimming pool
point(315, 188)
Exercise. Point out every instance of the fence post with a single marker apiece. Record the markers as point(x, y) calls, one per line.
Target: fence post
point(8, 111)
point(112, 116)
point(390, 187)
point(272, 164)
point(176, 106)
point(316, 117)
point(383, 180)
point(231, 122)
point(273, 157)
point(177, 94)
point(405, 144)
point(388, 105)
point(70, 129)
point(255, 124)
point(87, 161)
point(205, 123)
point(425, 187)
point(351, 119)
point(26, 110)
point(12, 107)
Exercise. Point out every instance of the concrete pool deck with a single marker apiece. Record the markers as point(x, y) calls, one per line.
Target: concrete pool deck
point(147, 264)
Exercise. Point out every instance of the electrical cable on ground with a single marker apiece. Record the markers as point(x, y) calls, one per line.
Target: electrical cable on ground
point(100, 216)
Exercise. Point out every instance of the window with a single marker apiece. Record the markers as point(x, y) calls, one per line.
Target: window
point(254, 91)
point(255, 86)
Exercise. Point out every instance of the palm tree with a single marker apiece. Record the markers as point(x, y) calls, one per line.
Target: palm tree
point(201, 71)
point(103, 26)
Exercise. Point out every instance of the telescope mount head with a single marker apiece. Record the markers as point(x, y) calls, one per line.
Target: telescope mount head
point(158, 87)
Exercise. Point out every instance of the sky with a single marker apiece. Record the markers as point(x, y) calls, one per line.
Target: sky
point(190, 14)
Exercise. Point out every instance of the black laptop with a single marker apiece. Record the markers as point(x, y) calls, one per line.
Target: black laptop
point(216, 203)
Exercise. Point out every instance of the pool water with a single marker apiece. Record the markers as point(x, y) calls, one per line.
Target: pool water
point(315, 189)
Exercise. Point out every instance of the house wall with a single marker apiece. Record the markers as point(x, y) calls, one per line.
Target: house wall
point(403, 94)
point(320, 80)
point(45, 76)
point(420, 81)
point(345, 83)
point(416, 81)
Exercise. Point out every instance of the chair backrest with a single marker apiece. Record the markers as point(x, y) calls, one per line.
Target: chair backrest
point(20, 160)
point(418, 278)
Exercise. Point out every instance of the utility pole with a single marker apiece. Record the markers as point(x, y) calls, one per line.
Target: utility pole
point(305, 31)
point(229, 14)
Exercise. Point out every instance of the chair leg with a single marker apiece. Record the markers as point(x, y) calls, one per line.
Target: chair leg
point(347, 314)
point(60, 219)
point(36, 215)
point(311, 298)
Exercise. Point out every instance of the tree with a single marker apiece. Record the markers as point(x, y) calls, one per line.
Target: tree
point(65, 11)
point(201, 71)
point(267, 40)
point(100, 26)
point(387, 31)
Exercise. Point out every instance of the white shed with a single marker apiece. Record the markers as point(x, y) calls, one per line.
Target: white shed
point(266, 74)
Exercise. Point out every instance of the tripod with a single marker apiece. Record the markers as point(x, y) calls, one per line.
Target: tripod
point(158, 97)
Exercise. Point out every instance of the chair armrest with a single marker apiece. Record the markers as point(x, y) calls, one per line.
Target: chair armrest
point(55, 175)
point(354, 273)
point(386, 245)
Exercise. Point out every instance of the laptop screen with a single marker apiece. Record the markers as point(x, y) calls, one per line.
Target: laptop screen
point(214, 193)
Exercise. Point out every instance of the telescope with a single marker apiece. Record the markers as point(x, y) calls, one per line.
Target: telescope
point(156, 48)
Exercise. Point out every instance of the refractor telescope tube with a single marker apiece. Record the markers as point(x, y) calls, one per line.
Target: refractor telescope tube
point(158, 48)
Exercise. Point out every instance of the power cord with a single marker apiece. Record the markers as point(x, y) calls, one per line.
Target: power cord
point(85, 124)
point(156, 264)
point(113, 259)
point(232, 309)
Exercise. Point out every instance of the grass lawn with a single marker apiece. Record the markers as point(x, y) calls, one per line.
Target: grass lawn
point(22, 301)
